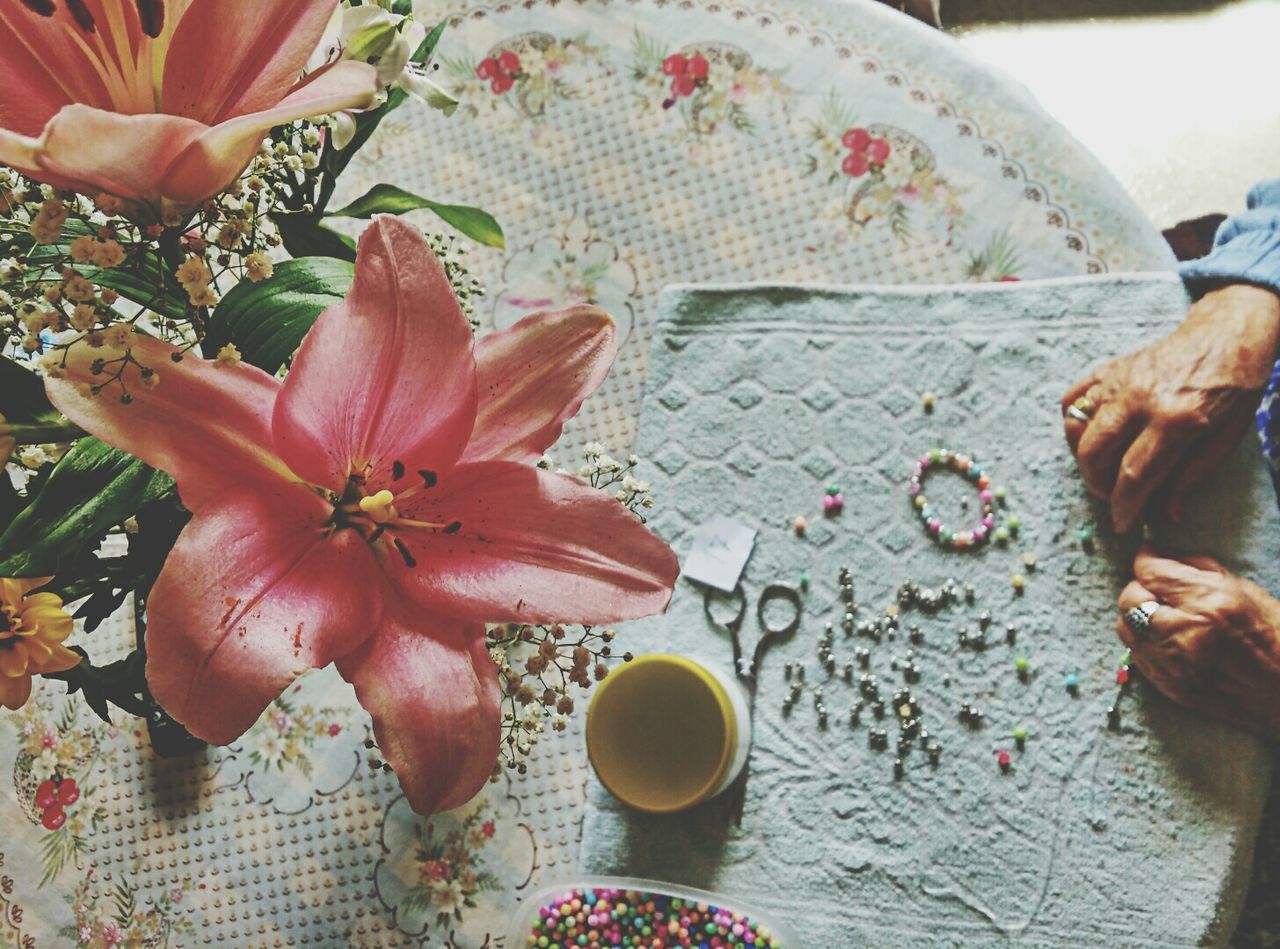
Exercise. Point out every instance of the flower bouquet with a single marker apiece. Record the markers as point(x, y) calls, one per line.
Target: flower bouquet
point(309, 454)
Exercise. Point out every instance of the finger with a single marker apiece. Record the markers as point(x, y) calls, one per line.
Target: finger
point(1073, 429)
point(1103, 444)
point(1165, 622)
point(1078, 388)
point(1202, 463)
point(1207, 564)
point(1172, 581)
point(1148, 463)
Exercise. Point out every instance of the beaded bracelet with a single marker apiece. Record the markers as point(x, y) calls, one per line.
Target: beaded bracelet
point(961, 465)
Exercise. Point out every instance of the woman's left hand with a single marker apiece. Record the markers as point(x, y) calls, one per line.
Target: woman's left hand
point(1214, 643)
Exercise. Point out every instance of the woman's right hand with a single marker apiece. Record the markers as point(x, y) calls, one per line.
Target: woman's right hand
point(1169, 414)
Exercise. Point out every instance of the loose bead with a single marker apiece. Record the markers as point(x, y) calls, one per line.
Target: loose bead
point(804, 581)
point(1072, 682)
point(1018, 582)
point(1002, 536)
point(1122, 675)
point(1023, 666)
point(1014, 524)
point(1086, 536)
point(1020, 736)
point(1004, 760)
point(928, 400)
point(1029, 561)
point(833, 490)
point(800, 525)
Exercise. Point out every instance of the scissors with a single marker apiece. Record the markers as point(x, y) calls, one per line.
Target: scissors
point(770, 634)
point(737, 796)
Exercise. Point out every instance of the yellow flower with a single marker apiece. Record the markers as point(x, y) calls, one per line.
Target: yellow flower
point(32, 628)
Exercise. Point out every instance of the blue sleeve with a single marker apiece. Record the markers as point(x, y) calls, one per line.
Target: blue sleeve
point(1246, 248)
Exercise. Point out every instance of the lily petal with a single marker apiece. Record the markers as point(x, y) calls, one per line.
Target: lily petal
point(120, 154)
point(207, 425)
point(534, 376)
point(219, 154)
point(13, 659)
point(533, 547)
point(253, 594)
point(385, 376)
point(432, 690)
point(30, 91)
point(259, 48)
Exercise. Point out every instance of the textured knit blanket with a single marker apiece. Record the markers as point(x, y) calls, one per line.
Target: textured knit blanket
point(1133, 830)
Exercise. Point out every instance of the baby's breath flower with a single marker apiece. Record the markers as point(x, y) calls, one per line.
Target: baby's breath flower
point(258, 266)
point(82, 249)
point(202, 295)
point(193, 270)
point(108, 254)
point(228, 355)
point(83, 317)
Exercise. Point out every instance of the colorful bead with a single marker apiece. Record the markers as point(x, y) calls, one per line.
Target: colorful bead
point(1086, 536)
point(833, 490)
point(1004, 760)
point(1020, 736)
point(1002, 535)
point(1029, 561)
point(1072, 682)
point(800, 525)
point(599, 916)
point(1018, 582)
point(1014, 523)
point(963, 465)
point(1023, 666)
point(928, 400)
point(804, 580)
point(1122, 675)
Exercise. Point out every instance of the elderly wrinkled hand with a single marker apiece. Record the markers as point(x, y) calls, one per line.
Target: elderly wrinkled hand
point(1166, 416)
point(1212, 644)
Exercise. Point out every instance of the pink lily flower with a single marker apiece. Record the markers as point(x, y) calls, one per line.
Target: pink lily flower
point(374, 509)
point(100, 96)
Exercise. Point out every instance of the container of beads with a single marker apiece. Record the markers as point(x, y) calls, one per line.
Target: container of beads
point(607, 912)
point(666, 732)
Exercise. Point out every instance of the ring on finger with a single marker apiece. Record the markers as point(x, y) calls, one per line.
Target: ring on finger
point(1138, 618)
point(1077, 414)
point(1085, 405)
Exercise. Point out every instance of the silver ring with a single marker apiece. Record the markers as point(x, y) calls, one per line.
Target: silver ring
point(1077, 414)
point(1138, 618)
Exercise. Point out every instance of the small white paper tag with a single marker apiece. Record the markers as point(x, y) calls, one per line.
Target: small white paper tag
point(721, 548)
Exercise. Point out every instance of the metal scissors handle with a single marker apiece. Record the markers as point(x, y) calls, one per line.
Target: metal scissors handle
point(769, 634)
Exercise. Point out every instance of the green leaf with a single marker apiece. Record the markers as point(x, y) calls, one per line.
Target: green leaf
point(22, 397)
point(478, 225)
point(92, 488)
point(429, 43)
point(266, 321)
point(306, 237)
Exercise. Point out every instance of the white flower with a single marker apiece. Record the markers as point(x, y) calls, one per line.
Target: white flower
point(446, 895)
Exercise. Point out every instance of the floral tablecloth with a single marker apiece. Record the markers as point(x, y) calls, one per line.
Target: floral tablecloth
point(624, 145)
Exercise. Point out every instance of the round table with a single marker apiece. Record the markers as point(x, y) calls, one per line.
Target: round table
point(640, 143)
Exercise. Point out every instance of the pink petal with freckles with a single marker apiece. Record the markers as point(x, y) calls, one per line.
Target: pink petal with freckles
point(533, 377)
point(207, 425)
point(45, 52)
point(126, 155)
point(217, 156)
point(385, 376)
point(253, 594)
point(30, 92)
point(533, 547)
point(258, 48)
point(432, 690)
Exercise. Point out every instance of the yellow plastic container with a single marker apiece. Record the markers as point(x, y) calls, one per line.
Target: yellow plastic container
point(665, 732)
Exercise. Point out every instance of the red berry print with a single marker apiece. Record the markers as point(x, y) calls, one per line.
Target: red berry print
point(501, 84)
point(488, 68)
point(674, 65)
point(856, 140)
point(698, 66)
point(46, 793)
point(854, 165)
point(878, 151)
point(68, 792)
point(508, 61)
point(683, 85)
point(54, 817)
